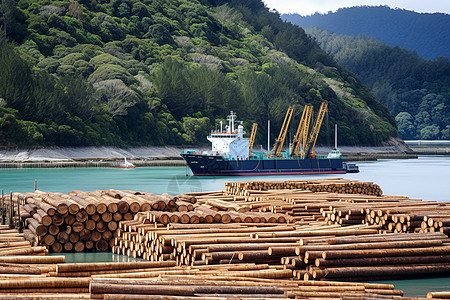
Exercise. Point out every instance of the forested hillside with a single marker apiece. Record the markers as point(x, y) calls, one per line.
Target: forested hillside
point(154, 72)
point(427, 34)
point(416, 91)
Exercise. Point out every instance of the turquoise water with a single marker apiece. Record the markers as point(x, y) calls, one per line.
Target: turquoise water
point(79, 257)
point(420, 287)
point(425, 178)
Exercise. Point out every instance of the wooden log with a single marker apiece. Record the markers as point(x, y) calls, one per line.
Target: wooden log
point(85, 235)
point(58, 219)
point(68, 246)
point(62, 237)
point(69, 220)
point(95, 236)
point(31, 259)
point(78, 227)
point(53, 230)
point(46, 293)
point(18, 269)
point(90, 225)
point(103, 288)
point(123, 207)
point(445, 250)
point(101, 245)
point(57, 247)
point(78, 247)
point(74, 237)
point(81, 216)
point(361, 246)
point(47, 282)
point(107, 217)
point(391, 260)
point(24, 251)
point(112, 226)
point(40, 229)
point(439, 295)
point(382, 271)
point(79, 267)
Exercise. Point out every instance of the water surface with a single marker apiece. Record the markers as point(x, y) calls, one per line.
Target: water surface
point(425, 178)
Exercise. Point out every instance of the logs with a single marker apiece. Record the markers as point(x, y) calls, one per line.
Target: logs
point(217, 284)
point(80, 221)
point(12, 242)
point(343, 186)
point(250, 241)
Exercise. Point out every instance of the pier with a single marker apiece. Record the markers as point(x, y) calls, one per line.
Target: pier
point(172, 162)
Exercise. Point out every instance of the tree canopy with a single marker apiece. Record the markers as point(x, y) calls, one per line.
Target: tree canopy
point(155, 72)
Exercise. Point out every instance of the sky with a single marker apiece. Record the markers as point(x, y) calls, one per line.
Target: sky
point(308, 7)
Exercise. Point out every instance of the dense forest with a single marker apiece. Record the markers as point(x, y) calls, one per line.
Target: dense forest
point(416, 91)
point(155, 72)
point(423, 33)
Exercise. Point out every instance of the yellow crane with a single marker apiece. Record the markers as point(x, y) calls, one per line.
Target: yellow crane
point(302, 130)
point(312, 138)
point(279, 142)
point(252, 139)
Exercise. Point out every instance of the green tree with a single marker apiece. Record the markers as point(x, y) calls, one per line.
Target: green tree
point(7, 17)
point(405, 123)
point(117, 97)
point(430, 132)
point(173, 87)
point(195, 130)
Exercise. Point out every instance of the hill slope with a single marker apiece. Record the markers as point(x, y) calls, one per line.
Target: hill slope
point(130, 72)
point(415, 90)
point(426, 34)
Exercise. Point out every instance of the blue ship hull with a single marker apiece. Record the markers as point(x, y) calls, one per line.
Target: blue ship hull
point(212, 165)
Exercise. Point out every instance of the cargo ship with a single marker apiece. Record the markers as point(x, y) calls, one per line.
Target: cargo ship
point(232, 154)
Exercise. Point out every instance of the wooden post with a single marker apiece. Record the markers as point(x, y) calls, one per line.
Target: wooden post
point(19, 219)
point(11, 211)
point(3, 209)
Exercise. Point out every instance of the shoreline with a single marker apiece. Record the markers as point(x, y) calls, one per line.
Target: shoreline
point(168, 156)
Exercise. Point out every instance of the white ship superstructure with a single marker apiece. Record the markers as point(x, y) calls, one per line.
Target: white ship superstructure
point(230, 143)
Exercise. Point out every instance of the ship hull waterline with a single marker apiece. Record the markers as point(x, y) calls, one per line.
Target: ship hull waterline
point(211, 165)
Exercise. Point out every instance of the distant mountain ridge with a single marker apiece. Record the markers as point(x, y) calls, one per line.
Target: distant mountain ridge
point(416, 91)
point(425, 33)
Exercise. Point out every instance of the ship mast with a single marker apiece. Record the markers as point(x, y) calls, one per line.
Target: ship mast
point(231, 117)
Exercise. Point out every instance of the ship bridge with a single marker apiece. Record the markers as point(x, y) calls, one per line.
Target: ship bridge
point(230, 143)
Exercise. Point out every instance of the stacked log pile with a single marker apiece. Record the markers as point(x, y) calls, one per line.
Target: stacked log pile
point(188, 243)
point(43, 277)
point(372, 257)
point(197, 244)
point(80, 221)
point(250, 241)
point(336, 185)
point(344, 202)
point(227, 283)
point(394, 214)
point(12, 242)
point(52, 278)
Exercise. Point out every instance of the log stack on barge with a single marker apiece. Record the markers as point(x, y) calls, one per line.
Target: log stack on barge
point(286, 240)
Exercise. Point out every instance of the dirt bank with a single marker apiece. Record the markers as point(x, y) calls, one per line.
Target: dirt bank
point(154, 153)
